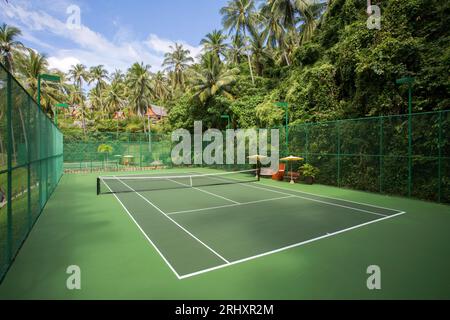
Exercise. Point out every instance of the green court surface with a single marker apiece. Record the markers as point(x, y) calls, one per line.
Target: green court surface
point(252, 240)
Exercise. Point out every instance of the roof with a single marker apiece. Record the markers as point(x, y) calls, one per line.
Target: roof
point(159, 111)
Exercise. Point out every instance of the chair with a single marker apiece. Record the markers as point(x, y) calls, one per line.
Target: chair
point(279, 176)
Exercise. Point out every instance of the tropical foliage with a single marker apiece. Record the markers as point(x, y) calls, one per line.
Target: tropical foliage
point(319, 56)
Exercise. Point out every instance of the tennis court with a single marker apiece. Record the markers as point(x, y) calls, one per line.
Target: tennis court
point(201, 221)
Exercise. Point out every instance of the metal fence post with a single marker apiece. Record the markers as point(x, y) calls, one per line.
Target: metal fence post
point(440, 159)
point(339, 153)
point(381, 153)
point(30, 217)
point(307, 143)
point(9, 153)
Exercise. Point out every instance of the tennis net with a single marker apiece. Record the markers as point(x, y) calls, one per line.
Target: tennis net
point(139, 183)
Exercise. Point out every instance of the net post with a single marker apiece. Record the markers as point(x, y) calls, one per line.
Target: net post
point(98, 186)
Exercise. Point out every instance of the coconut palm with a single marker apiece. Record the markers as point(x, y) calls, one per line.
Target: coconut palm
point(176, 62)
point(113, 97)
point(161, 86)
point(285, 10)
point(98, 74)
point(272, 25)
point(273, 29)
point(289, 11)
point(215, 42)
point(259, 52)
point(310, 13)
point(78, 74)
point(117, 76)
point(9, 44)
point(139, 82)
point(236, 50)
point(238, 16)
point(30, 65)
point(213, 79)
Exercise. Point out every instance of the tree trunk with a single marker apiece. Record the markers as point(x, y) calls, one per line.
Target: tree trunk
point(249, 61)
point(23, 129)
point(286, 58)
point(2, 163)
point(83, 120)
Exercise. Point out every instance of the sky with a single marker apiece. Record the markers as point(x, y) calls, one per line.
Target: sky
point(113, 33)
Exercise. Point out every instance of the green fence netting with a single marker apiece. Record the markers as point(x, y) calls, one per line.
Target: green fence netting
point(99, 151)
point(373, 154)
point(369, 154)
point(111, 151)
point(31, 164)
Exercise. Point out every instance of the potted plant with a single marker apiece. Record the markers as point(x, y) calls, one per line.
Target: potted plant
point(309, 172)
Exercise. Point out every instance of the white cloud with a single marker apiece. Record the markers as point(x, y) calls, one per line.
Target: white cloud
point(90, 47)
point(63, 63)
point(163, 45)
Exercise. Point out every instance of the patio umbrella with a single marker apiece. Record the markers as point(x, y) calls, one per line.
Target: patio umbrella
point(292, 159)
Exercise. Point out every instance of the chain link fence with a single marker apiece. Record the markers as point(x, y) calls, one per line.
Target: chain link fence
point(375, 154)
point(31, 163)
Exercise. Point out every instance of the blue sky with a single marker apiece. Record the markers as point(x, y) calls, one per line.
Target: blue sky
point(114, 33)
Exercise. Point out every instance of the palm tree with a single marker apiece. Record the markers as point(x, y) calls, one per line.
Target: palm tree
point(289, 12)
point(139, 83)
point(9, 44)
point(236, 50)
point(30, 65)
point(98, 74)
point(213, 79)
point(113, 97)
point(117, 76)
point(160, 86)
point(177, 61)
point(78, 74)
point(238, 16)
point(259, 52)
point(215, 42)
point(273, 28)
point(310, 14)
point(285, 10)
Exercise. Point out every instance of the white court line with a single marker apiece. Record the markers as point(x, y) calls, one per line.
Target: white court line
point(327, 197)
point(207, 192)
point(145, 235)
point(344, 200)
point(287, 247)
point(315, 200)
point(331, 198)
point(266, 253)
point(176, 223)
point(230, 205)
